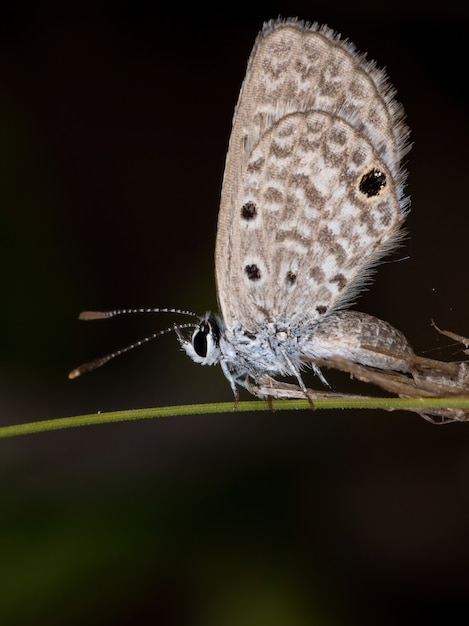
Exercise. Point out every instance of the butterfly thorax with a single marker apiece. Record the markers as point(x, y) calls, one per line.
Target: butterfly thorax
point(272, 349)
point(243, 353)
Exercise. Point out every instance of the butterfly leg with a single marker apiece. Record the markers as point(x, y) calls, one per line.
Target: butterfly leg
point(266, 387)
point(232, 380)
point(302, 386)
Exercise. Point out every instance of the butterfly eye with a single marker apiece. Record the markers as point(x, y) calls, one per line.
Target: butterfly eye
point(199, 340)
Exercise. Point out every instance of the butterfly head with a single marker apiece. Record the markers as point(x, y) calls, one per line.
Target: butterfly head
point(204, 345)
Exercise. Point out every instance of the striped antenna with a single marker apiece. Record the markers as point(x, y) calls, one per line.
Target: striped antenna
point(100, 315)
point(92, 365)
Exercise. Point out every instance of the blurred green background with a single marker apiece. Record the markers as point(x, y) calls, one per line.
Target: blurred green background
point(114, 124)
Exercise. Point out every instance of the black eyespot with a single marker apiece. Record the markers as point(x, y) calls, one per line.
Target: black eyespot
point(291, 278)
point(199, 341)
point(321, 309)
point(372, 182)
point(253, 272)
point(248, 211)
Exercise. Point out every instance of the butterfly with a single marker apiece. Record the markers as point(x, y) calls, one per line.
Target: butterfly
point(312, 198)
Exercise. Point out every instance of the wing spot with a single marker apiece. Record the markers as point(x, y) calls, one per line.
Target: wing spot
point(256, 166)
point(280, 151)
point(321, 309)
point(338, 136)
point(317, 274)
point(273, 195)
point(291, 278)
point(253, 272)
point(372, 182)
point(340, 280)
point(249, 211)
point(358, 157)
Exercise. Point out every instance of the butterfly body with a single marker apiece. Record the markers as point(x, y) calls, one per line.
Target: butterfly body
point(248, 358)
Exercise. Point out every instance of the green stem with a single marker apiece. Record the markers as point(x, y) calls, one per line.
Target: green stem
point(389, 404)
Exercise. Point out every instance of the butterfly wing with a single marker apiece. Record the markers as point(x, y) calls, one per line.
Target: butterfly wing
point(312, 192)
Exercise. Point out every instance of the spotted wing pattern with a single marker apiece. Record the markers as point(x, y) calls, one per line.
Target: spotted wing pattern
point(313, 188)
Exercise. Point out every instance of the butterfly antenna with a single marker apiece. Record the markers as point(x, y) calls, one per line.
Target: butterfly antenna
point(92, 365)
point(101, 315)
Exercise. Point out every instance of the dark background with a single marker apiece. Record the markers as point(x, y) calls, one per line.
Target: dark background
point(114, 124)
